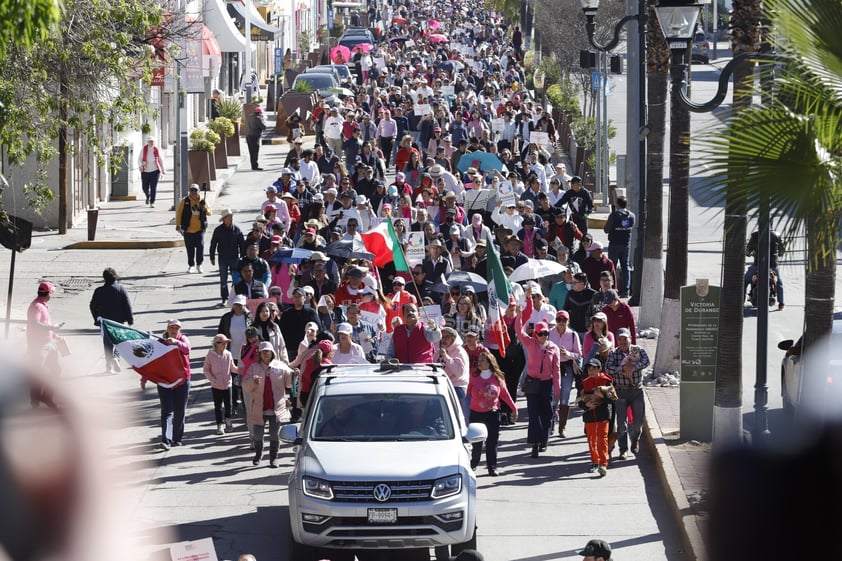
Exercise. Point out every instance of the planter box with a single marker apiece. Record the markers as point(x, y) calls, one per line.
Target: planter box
point(199, 167)
point(287, 105)
point(220, 156)
point(232, 143)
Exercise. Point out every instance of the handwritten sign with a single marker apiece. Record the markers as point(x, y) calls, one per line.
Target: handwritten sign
point(432, 313)
point(540, 138)
point(423, 109)
point(497, 124)
point(199, 550)
point(447, 90)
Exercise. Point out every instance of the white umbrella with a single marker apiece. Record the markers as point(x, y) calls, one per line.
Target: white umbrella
point(536, 269)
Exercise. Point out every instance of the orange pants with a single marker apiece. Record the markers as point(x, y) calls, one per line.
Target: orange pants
point(598, 441)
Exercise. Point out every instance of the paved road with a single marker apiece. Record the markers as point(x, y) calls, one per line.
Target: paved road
point(537, 510)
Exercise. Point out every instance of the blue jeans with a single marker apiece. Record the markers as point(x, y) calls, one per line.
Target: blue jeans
point(195, 246)
point(464, 401)
point(173, 411)
point(566, 382)
point(149, 184)
point(620, 256)
point(752, 270)
point(624, 399)
point(225, 266)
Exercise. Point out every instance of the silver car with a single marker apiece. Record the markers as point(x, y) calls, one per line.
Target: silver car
point(382, 462)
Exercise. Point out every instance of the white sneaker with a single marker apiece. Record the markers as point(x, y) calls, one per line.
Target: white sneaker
point(191, 269)
point(219, 429)
point(115, 365)
point(199, 269)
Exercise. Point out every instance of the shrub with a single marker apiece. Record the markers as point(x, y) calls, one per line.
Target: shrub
point(222, 126)
point(564, 96)
point(230, 108)
point(203, 139)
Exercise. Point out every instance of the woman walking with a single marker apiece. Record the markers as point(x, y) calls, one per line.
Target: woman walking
point(542, 381)
point(486, 389)
point(266, 385)
point(570, 353)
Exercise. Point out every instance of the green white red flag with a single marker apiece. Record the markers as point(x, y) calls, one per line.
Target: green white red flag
point(384, 244)
point(145, 353)
point(499, 294)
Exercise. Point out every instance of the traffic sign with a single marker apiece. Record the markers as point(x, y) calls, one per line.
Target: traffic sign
point(279, 61)
point(596, 81)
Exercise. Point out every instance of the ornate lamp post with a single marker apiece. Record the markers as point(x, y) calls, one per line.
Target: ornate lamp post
point(678, 21)
point(636, 100)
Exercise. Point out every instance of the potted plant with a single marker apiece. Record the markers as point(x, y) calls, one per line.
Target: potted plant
point(231, 108)
point(224, 128)
point(200, 166)
point(302, 98)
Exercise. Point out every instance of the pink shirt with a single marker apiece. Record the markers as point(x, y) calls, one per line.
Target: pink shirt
point(39, 325)
point(218, 369)
point(486, 394)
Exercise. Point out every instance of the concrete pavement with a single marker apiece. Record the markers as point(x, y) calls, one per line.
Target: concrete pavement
point(191, 493)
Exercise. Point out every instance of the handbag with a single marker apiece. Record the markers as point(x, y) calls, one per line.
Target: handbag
point(531, 386)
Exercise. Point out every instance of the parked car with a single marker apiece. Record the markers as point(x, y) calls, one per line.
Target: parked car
point(701, 48)
point(355, 39)
point(342, 72)
point(325, 83)
point(816, 385)
point(382, 462)
point(325, 69)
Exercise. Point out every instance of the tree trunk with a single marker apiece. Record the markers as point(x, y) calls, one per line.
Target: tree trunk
point(728, 396)
point(652, 275)
point(669, 350)
point(63, 198)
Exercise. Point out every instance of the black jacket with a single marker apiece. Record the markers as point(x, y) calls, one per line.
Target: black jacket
point(111, 301)
point(228, 242)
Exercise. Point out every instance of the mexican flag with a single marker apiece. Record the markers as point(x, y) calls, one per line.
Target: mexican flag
point(145, 353)
point(499, 294)
point(383, 243)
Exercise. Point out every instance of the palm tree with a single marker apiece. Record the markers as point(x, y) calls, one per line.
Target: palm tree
point(787, 151)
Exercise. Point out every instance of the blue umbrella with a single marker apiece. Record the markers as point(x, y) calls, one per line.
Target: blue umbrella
point(482, 161)
point(290, 255)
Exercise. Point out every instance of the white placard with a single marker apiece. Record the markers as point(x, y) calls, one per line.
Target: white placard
point(447, 90)
point(497, 124)
point(432, 312)
point(423, 109)
point(199, 550)
point(370, 317)
point(415, 248)
point(506, 193)
point(539, 138)
point(409, 44)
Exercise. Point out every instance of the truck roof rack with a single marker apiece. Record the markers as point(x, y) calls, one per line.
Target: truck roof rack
point(387, 367)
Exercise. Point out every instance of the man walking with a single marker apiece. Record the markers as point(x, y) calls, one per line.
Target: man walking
point(580, 202)
point(151, 170)
point(41, 341)
point(625, 364)
point(619, 228)
point(255, 125)
point(111, 301)
point(228, 240)
point(191, 221)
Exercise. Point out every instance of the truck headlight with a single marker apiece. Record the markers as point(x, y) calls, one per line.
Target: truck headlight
point(447, 486)
point(317, 488)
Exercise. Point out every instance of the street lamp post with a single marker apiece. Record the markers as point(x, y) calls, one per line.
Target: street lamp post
point(675, 17)
point(590, 7)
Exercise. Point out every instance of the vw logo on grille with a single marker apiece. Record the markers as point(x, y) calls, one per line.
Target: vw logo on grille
point(382, 492)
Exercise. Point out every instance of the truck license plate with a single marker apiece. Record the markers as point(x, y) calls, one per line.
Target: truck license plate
point(382, 515)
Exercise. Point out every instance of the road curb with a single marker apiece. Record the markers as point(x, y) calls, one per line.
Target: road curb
point(126, 244)
point(682, 511)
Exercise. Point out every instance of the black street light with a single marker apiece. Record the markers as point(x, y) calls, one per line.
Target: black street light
point(678, 21)
point(590, 7)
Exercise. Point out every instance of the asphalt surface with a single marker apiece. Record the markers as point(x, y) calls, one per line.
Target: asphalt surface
point(537, 510)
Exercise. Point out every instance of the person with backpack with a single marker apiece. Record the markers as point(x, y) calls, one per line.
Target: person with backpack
point(619, 228)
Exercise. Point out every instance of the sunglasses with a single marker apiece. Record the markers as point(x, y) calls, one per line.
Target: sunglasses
point(543, 333)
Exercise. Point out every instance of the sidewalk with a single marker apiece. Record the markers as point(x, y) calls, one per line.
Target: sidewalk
point(682, 466)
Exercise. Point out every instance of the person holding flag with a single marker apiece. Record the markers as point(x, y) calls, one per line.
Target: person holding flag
point(163, 361)
point(173, 396)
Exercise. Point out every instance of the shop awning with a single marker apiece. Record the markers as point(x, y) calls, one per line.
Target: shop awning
point(260, 30)
point(230, 39)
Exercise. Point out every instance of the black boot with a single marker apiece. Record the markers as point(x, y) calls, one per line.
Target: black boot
point(258, 451)
point(535, 450)
point(273, 454)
